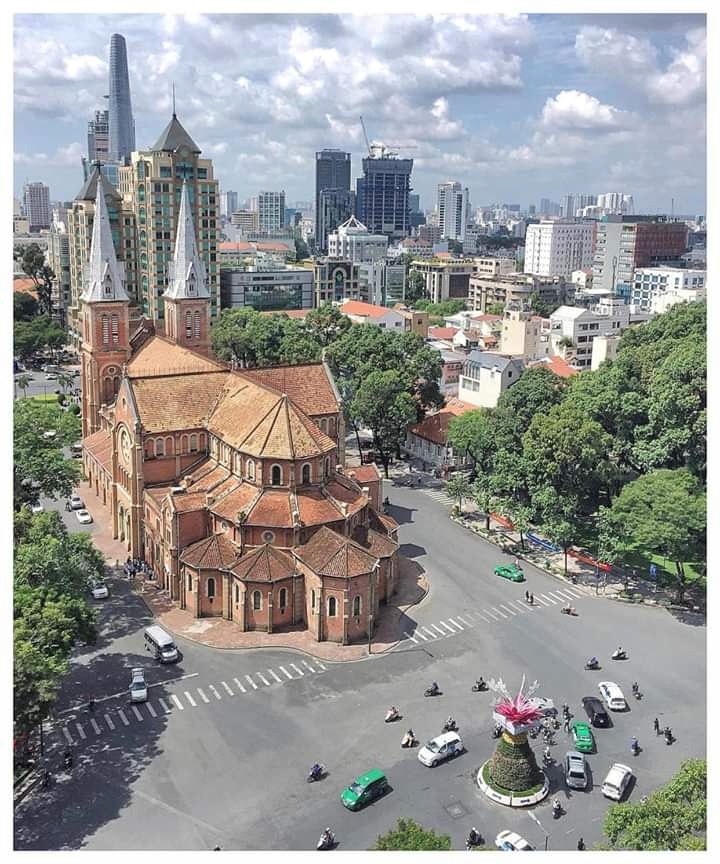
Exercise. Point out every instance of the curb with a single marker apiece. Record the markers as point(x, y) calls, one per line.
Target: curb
point(510, 800)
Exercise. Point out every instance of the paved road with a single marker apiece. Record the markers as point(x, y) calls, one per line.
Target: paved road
point(230, 769)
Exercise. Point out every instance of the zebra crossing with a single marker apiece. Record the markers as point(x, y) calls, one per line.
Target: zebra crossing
point(502, 611)
point(439, 496)
point(73, 732)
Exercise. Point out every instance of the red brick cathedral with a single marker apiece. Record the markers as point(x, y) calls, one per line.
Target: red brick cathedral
point(229, 483)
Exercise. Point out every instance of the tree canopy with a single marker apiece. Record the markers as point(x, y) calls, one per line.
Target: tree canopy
point(32, 261)
point(407, 835)
point(31, 336)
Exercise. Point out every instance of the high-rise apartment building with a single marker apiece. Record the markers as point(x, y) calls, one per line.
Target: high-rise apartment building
point(382, 193)
point(558, 248)
point(36, 204)
point(228, 203)
point(335, 206)
point(245, 220)
point(615, 202)
point(625, 243)
point(353, 242)
point(332, 171)
point(152, 183)
point(80, 220)
point(121, 124)
point(414, 202)
point(453, 208)
point(98, 137)
point(573, 202)
point(271, 211)
point(58, 255)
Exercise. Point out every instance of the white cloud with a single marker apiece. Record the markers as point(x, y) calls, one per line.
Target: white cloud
point(572, 109)
point(683, 81)
point(69, 155)
point(607, 49)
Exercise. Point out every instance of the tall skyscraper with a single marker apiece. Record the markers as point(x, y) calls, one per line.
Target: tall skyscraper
point(382, 193)
point(335, 206)
point(121, 125)
point(228, 203)
point(453, 205)
point(332, 171)
point(36, 203)
point(98, 137)
point(271, 211)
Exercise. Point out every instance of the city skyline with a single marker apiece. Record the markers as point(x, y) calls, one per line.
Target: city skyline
point(542, 113)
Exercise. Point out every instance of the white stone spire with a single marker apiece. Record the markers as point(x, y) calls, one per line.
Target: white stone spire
point(104, 275)
point(187, 271)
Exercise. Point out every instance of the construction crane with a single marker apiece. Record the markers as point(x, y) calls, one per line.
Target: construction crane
point(384, 147)
point(367, 141)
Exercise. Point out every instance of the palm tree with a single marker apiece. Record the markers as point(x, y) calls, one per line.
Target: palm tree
point(65, 381)
point(23, 382)
point(458, 489)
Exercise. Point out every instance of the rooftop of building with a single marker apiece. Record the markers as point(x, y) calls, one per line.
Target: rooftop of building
point(491, 360)
point(437, 332)
point(173, 137)
point(434, 427)
point(557, 365)
point(366, 310)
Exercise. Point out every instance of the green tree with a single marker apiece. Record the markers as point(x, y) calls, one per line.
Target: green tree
point(32, 261)
point(471, 433)
point(458, 488)
point(233, 338)
point(25, 306)
point(672, 818)
point(483, 496)
point(34, 335)
point(326, 324)
point(536, 391)
point(521, 517)
point(495, 309)
point(414, 287)
point(409, 836)
point(383, 404)
point(664, 512)
point(562, 532)
point(23, 382)
point(297, 345)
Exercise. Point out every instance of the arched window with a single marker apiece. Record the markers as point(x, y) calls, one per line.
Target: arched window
point(116, 384)
point(257, 601)
point(150, 448)
point(201, 440)
point(211, 587)
point(312, 601)
point(250, 468)
point(306, 473)
point(197, 325)
point(188, 325)
point(283, 599)
point(193, 443)
point(332, 607)
point(183, 443)
point(276, 478)
point(323, 424)
point(356, 606)
point(168, 446)
point(159, 447)
point(105, 330)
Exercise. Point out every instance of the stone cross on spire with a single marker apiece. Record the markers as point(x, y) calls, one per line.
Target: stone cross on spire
point(187, 271)
point(103, 275)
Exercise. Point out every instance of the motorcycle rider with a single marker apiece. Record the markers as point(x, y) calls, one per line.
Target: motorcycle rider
point(667, 732)
point(450, 724)
point(408, 739)
point(434, 688)
point(327, 838)
point(619, 652)
point(316, 771)
point(557, 807)
point(392, 713)
point(68, 759)
point(634, 745)
point(592, 662)
point(546, 754)
point(473, 837)
point(480, 684)
point(635, 688)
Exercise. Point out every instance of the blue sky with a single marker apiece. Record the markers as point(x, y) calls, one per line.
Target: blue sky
point(517, 108)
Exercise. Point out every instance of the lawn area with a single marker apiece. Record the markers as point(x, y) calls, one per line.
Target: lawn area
point(666, 568)
point(46, 397)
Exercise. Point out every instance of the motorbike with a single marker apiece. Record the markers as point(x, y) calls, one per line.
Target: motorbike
point(591, 665)
point(326, 841)
point(316, 773)
point(479, 686)
point(618, 655)
point(474, 838)
point(497, 731)
point(386, 502)
point(568, 610)
point(392, 715)
point(68, 760)
point(555, 723)
point(432, 691)
point(408, 740)
point(547, 759)
point(667, 732)
point(450, 727)
point(634, 747)
point(47, 779)
point(557, 809)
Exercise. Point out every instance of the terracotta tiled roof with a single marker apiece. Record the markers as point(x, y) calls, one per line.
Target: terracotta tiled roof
point(435, 426)
point(557, 365)
point(308, 386)
point(239, 499)
point(208, 474)
point(261, 423)
point(242, 246)
point(457, 406)
point(157, 494)
point(442, 332)
point(176, 401)
point(99, 446)
point(346, 491)
point(161, 357)
point(26, 286)
point(363, 474)
point(383, 523)
point(265, 564)
point(188, 501)
point(329, 554)
point(272, 510)
point(369, 310)
point(376, 544)
point(316, 509)
point(210, 553)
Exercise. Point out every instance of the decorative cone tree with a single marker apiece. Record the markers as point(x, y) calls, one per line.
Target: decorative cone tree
point(513, 770)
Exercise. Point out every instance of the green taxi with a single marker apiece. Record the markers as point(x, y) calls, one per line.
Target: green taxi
point(582, 737)
point(511, 572)
point(364, 789)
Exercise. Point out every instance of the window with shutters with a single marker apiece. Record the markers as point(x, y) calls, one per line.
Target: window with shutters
point(197, 325)
point(188, 325)
point(105, 330)
point(283, 599)
point(115, 329)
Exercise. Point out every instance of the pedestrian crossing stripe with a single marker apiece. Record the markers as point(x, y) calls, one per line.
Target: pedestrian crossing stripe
point(150, 709)
point(214, 691)
point(507, 609)
point(308, 666)
point(297, 669)
point(227, 688)
point(68, 736)
point(81, 731)
point(177, 701)
point(251, 682)
point(275, 676)
point(137, 713)
point(109, 722)
point(242, 689)
point(285, 672)
point(192, 701)
point(263, 679)
point(124, 719)
point(93, 723)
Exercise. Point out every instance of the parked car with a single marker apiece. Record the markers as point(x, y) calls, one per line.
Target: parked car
point(616, 781)
point(51, 376)
point(76, 502)
point(138, 687)
point(83, 517)
point(510, 841)
point(612, 695)
point(76, 450)
point(439, 749)
point(545, 706)
point(364, 789)
point(99, 591)
point(595, 711)
point(511, 572)
point(50, 435)
point(576, 770)
point(582, 737)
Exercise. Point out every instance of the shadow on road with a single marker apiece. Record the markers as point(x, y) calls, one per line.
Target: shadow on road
point(402, 515)
point(412, 550)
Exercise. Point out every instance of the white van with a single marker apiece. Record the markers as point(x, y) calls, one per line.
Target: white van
point(160, 644)
point(138, 687)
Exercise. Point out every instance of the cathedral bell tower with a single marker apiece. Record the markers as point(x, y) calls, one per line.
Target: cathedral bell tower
point(187, 299)
point(105, 320)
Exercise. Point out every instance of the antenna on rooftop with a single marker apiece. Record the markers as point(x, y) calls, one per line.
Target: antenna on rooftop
point(173, 97)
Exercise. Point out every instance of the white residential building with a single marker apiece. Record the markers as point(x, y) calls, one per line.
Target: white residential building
point(379, 316)
point(382, 282)
point(604, 348)
point(494, 266)
point(579, 327)
point(525, 335)
point(271, 211)
point(653, 285)
point(353, 242)
point(486, 376)
point(558, 248)
point(453, 207)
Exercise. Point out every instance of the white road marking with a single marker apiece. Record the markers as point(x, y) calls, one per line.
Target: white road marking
point(124, 692)
point(275, 676)
point(487, 612)
point(465, 621)
point(285, 672)
point(214, 691)
point(547, 601)
point(68, 736)
point(124, 719)
point(517, 605)
point(242, 689)
point(418, 632)
point(95, 726)
point(453, 621)
point(320, 666)
point(177, 702)
point(109, 722)
point(81, 731)
point(251, 682)
point(435, 627)
point(565, 592)
point(137, 712)
point(202, 696)
point(507, 609)
point(166, 707)
point(428, 633)
point(308, 666)
point(408, 636)
point(151, 709)
point(574, 592)
point(448, 627)
point(263, 679)
point(558, 596)
point(228, 690)
point(297, 668)
point(495, 609)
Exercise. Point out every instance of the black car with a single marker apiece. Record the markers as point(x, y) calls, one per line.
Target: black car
point(595, 711)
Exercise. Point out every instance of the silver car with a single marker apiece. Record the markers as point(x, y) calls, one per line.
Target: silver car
point(576, 770)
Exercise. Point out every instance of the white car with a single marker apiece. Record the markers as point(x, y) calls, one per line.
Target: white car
point(616, 781)
point(37, 508)
point(99, 591)
point(510, 841)
point(545, 706)
point(76, 502)
point(50, 435)
point(83, 517)
point(439, 749)
point(612, 695)
point(138, 687)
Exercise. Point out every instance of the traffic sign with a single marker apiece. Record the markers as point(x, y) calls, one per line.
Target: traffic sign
point(653, 571)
